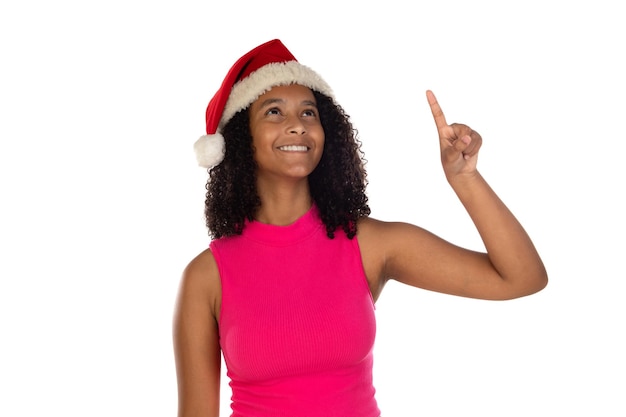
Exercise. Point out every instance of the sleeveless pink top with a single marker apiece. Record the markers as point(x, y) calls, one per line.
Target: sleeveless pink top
point(297, 323)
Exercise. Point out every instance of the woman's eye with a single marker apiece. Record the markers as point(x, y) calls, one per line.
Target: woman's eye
point(309, 113)
point(273, 111)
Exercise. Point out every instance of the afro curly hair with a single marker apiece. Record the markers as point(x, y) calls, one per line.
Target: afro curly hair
point(337, 184)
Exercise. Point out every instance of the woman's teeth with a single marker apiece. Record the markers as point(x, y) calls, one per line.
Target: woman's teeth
point(293, 148)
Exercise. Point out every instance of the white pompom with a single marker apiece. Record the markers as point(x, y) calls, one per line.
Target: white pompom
point(209, 150)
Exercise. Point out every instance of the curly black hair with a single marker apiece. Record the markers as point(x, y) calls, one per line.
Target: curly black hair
point(337, 184)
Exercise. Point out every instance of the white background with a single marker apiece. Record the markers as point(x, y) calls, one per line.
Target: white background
point(100, 103)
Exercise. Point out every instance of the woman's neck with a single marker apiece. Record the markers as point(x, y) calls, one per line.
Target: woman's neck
point(283, 204)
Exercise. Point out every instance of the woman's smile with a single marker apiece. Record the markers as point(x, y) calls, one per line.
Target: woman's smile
point(294, 148)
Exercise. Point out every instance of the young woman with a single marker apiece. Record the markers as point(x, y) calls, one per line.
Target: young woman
point(287, 287)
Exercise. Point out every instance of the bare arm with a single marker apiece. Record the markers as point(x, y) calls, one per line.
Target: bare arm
point(511, 266)
point(196, 339)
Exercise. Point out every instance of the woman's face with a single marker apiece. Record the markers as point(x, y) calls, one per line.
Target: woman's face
point(287, 134)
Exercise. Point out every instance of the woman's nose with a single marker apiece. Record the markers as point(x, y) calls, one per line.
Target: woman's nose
point(296, 126)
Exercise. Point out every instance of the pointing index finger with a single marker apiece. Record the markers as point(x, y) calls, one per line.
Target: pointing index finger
point(440, 119)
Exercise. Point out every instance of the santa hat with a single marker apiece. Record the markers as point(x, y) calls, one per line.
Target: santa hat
point(266, 66)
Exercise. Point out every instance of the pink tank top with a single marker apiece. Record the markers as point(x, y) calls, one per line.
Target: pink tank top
point(297, 323)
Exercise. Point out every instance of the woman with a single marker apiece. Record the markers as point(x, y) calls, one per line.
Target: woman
point(286, 290)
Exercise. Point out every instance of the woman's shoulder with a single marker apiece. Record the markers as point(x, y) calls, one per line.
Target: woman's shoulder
point(386, 237)
point(202, 263)
point(372, 254)
point(369, 227)
point(201, 279)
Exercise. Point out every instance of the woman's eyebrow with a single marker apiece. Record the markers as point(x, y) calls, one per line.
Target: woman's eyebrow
point(270, 101)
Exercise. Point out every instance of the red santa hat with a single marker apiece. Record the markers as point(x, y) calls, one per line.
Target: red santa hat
point(266, 66)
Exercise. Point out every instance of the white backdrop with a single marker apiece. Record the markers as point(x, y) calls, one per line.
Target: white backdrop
point(100, 103)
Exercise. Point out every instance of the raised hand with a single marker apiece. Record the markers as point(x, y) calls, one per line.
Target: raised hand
point(459, 144)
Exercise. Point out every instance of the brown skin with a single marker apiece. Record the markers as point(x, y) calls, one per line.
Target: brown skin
point(510, 268)
point(196, 339)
